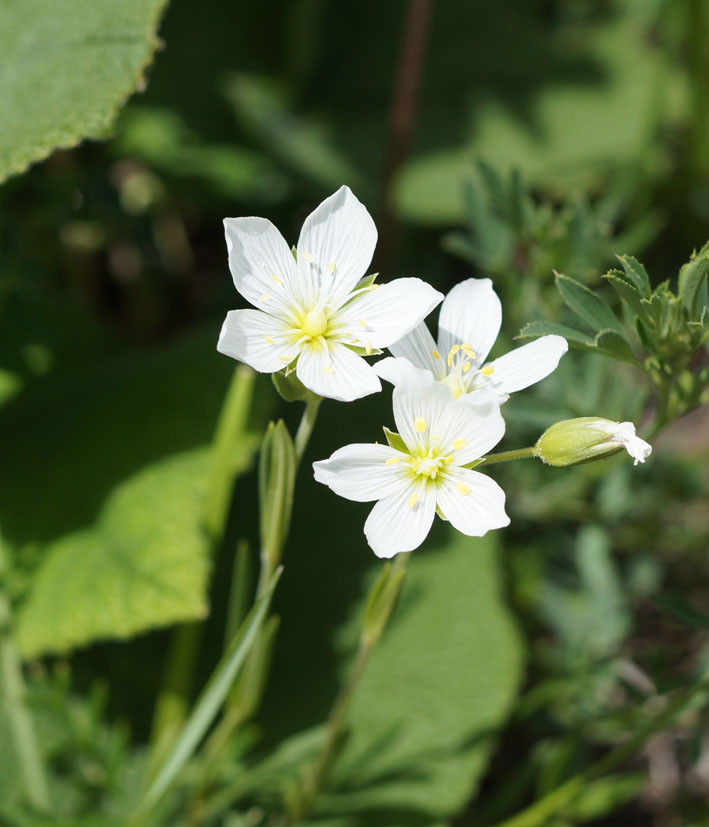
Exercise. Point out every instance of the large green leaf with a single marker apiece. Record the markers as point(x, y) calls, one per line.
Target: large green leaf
point(143, 564)
point(67, 68)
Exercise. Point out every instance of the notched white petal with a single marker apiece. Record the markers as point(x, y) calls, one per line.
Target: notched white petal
point(256, 339)
point(401, 522)
point(471, 314)
point(527, 364)
point(472, 502)
point(364, 472)
point(334, 371)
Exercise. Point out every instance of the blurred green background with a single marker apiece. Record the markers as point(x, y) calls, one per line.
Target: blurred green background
point(548, 135)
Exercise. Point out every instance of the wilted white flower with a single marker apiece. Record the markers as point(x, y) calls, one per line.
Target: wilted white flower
point(469, 322)
point(425, 470)
point(586, 438)
point(312, 307)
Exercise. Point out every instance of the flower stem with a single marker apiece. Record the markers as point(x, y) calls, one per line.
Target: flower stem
point(315, 781)
point(305, 428)
point(506, 456)
point(13, 692)
point(541, 812)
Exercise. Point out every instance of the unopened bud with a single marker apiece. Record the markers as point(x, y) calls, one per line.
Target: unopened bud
point(574, 441)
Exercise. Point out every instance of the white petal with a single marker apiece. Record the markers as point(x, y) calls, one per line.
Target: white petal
point(623, 433)
point(467, 427)
point(257, 339)
point(261, 264)
point(383, 315)
point(472, 502)
point(471, 314)
point(336, 244)
point(421, 350)
point(336, 372)
point(397, 370)
point(401, 521)
point(361, 473)
point(528, 364)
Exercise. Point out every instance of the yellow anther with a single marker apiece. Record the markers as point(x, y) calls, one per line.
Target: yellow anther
point(451, 354)
point(420, 424)
point(331, 267)
point(369, 349)
point(458, 444)
point(354, 341)
point(268, 339)
point(488, 370)
point(392, 461)
point(265, 297)
point(411, 502)
point(436, 354)
point(307, 257)
point(276, 279)
point(468, 351)
point(285, 358)
point(362, 322)
point(463, 488)
point(466, 367)
point(328, 369)
point(448, 459)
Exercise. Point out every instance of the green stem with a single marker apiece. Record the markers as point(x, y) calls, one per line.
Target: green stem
point(336, 723)
point(506, 456)
point(13, 693)
point(305, 428)
point(542, 811)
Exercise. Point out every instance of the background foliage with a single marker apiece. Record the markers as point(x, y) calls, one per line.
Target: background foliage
point(549, 136)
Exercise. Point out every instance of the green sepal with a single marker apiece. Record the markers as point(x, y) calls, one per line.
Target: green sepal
point(395, 441)
point(367, 281)
point(290, 388)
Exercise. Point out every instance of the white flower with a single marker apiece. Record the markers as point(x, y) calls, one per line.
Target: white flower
point(439, 436)
point(622, 435)
point(470, 320)
point(312, 308)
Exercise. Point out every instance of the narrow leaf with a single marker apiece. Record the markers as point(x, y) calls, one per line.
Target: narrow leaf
point(587, 305)
point(209, 702)
point(691, 278)
point(614, 346)
point(628, 292)
point(541, 328)
point(636, 274)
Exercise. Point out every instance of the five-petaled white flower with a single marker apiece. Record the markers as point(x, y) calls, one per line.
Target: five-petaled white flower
point(440, 436)
point(313, 308)
point(468, 325)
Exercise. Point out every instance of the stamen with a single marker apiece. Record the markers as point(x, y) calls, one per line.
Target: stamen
point(362, 322)
point(331, 267)
point(392, 461)
point(488, 370)
point(276, 279)
point(369, 349)
point(458, 444)
point(451, 354)
point(463, 488)
point(436, 354)
point(468, 351)
point(420, 424)
point(285, 358)
point(268, 339)
point(448, 459)
point(411, 502)
point(354, 341)
point(265, 297)
point(466, 367)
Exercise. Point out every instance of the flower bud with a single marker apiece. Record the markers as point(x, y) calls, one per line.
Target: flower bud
point(574, 441)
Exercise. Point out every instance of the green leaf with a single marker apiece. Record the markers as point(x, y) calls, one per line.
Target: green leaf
point(691, 278)
point(209, 702)
point(67, 69)
point(541, 328)
point(587, 305)
point(636, 274)
point(627, 291)
point(615, 346)
point(143, 564)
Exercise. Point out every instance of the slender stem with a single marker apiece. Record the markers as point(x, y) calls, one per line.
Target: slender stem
point(542, 811)
point(13, 693)
point(305, 429)
point(336, 723)
point(401, 119)
point(506, 456)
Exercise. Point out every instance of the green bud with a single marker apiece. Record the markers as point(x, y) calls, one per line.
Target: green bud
point(587, 438)
point(276, 483)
